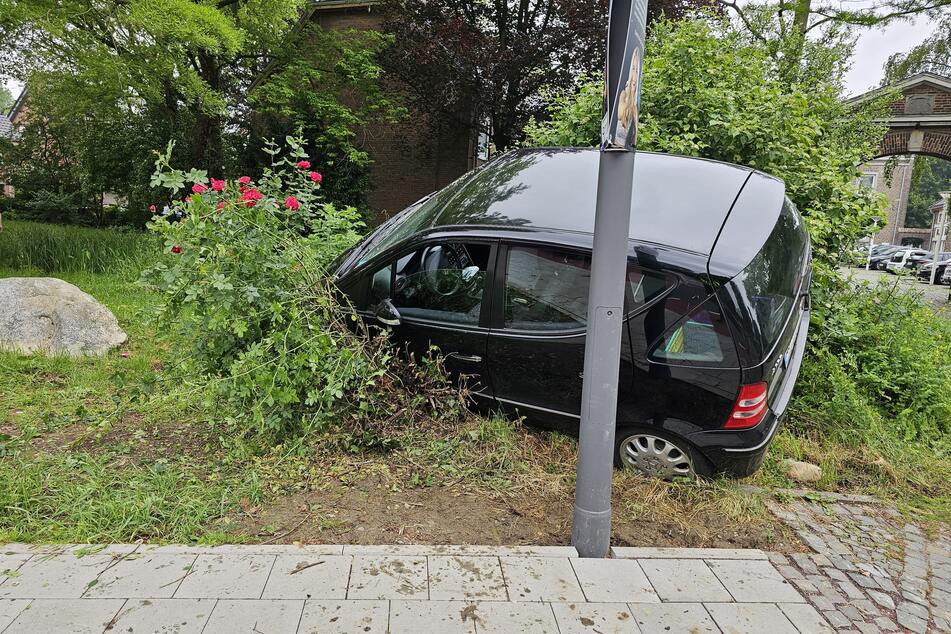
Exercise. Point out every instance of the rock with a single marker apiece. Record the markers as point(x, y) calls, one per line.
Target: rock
point(801, 471)
point(47, 315)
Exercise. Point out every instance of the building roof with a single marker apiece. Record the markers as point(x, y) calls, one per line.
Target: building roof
point(6, 128)
point(678, 201)
point(17, 105)
point(939, 81)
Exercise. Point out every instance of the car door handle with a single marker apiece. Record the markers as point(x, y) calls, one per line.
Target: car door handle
point(473, 358)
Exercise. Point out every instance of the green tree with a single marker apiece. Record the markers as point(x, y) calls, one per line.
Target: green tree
point(711, 91)
point(932, 55)
point(6, 99)
point(185, 60)
point(929, 177)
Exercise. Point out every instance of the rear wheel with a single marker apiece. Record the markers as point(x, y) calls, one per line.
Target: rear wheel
point(658, 455)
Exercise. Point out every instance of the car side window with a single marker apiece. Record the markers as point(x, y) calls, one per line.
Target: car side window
point(702, 337)
point(439, 281)
point(546, 288)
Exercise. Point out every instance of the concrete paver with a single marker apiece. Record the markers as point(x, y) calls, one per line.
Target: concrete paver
point(255, 617)
point(181, 616)
point(226, 576)
point(590, 618)
point(445, 617)
point(613, 580)
point(309, 577)
point(750, 618)
point(541, 579)
point(344, 617)
point(155, 576)
point(495, 617)
point(76, 616)
point(684, 580)
point(54, 577)
point(9, 609)
point(754, 581)
point(388, 577)
point(484, 589)
point(459, 577)
point(665, 618)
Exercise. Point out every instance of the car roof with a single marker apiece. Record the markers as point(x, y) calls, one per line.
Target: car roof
point(678, 201)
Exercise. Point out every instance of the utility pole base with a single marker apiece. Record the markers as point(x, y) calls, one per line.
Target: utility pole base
point(590, 531)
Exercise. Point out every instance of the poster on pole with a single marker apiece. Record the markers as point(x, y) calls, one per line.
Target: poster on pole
point(627, 26)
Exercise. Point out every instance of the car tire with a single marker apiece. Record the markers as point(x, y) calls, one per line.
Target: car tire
point(658, 454)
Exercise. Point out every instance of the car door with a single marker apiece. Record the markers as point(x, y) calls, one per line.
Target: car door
point(440, 288)
point(536, 345)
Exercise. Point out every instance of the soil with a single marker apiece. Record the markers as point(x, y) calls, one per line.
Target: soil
point(370, 512)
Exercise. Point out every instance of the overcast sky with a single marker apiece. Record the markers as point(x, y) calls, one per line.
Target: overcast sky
point(873, 48)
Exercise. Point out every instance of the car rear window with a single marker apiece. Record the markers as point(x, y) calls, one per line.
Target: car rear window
point(702, 337)
point(773, 279)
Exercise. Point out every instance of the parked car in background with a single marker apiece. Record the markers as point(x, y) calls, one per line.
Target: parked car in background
point(878, 261)
point(946, 278)
point(493, 270)
point(924, 271)
point(906, 260)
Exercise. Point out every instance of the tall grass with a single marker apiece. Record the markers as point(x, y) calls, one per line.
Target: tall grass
point(48, 248)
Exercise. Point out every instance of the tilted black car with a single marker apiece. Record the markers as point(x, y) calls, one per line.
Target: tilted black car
point(494, 269)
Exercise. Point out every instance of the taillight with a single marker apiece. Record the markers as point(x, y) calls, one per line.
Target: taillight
point(750, 407)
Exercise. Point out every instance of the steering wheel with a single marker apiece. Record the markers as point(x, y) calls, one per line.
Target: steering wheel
point(436, 274)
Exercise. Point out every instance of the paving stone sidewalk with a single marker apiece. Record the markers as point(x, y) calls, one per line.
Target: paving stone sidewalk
point(397, 589)
point(871, 571)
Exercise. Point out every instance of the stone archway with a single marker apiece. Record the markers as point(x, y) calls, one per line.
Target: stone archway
point(920, 121)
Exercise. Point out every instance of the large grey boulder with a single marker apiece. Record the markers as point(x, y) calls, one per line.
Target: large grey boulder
point(44, 314)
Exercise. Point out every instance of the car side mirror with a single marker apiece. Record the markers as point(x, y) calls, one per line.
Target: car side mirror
point(386, 313)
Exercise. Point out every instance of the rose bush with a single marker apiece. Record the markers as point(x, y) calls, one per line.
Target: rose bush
point(244, 279)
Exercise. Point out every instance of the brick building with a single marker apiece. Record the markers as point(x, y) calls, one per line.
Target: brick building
point(919, 123)
point(411, 158)
point(933, 233)
point(8, 122)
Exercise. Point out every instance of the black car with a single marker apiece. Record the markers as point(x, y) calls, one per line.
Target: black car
point(924, 271)
point(493, 270)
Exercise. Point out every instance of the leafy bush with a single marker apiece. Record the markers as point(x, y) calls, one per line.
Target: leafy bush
point(711, 91)
point(879, 360)
point(245, 281)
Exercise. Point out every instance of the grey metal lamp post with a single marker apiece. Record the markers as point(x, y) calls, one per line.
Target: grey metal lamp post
point(591, 521)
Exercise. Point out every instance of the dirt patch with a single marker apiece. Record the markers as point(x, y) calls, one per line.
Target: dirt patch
point(369, 512)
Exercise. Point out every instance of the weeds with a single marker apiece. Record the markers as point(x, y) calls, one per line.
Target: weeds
point(47, 247)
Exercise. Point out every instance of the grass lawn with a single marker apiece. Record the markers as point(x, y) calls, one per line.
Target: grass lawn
point(118, 448)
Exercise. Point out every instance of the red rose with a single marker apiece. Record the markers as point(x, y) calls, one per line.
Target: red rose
point(176, 249)
point(250, 196)
point(221, 205)
point(244, 180)
point(292, 203)
point(316, 177)
point(217, 185)
point(198, 188)
point(153, 209)
point(303, 164)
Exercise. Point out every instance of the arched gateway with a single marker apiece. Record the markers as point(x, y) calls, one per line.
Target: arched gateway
point(920, 121)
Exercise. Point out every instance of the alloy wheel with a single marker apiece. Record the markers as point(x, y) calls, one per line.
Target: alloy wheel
point(655, 457)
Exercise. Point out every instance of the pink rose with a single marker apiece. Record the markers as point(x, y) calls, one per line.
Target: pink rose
point(198, 188)
point(316, 177)
point(188, 199)
point(153, 209)
point(303, 164)
point(221, 205)
point(217, 185)
point(244, 180)
point(292, 203)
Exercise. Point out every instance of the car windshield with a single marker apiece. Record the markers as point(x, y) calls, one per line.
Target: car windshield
point(773, 279)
